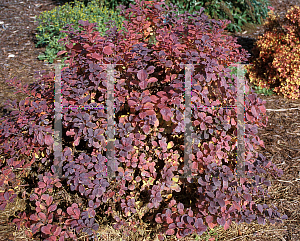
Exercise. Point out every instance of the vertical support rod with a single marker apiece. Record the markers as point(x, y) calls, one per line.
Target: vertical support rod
point(110, 153)
point(240, 121)
point(187, 120)
point(57, 145)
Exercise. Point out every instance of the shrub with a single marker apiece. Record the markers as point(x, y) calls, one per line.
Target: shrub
point(149, 141)
point(276, 59)
point(50, 24)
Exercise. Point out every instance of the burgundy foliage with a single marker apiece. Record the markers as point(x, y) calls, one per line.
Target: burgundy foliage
point(149, 131)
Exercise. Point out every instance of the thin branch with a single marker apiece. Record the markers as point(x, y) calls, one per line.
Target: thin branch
point(256, 233)
point(283, 109)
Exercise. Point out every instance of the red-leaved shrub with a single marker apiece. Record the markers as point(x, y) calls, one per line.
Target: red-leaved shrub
point(149, 145)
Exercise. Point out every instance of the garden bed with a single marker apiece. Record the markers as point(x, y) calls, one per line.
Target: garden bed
point(281, 136)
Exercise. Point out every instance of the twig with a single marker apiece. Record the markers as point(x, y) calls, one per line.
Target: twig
point(290, 148)
point(257, 233)
point(288, 181)
point(283, 109)
point(298, 134)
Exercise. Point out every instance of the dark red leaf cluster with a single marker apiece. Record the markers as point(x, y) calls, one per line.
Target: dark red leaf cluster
point(149, 110)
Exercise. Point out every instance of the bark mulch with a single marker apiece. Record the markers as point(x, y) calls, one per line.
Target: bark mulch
point(281, 136)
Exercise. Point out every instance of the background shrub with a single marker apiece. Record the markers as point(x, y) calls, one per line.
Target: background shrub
point(241, 13)
point(276, 55)
point(149, 134)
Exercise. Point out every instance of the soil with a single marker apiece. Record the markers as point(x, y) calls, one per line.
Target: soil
point(281, 136)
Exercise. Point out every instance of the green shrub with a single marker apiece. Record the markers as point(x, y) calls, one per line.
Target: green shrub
point(239, 12)
point(52, 22)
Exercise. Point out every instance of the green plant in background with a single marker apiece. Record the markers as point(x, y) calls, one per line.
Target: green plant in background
point(239, 12)
point(264, 91)
point(210, 234)
point(52, 22)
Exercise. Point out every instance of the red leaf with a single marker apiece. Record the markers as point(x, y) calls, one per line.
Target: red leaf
point(168, 213)
point(142, 75)
point(45, 196)
point(76, 142)
point(154, 98)
point(146, 129)
point(69, 46)
point(143, 84)
point(166, 113)
point(97, 56)
point(219, 154)
point(160, 237)
point(221, 221)
point(170, 232)
point(46, 229)
point(162, 143)
point(6, 195)
point(61, 52)
point(150, 205)
point(149, 105)
point(131, 103)
point(107, 50)
point(52, 208)
point(247, 197)
point(172, 203)
point(158, 220)
point(262, 108)
point(74, 205)
point(253, 111)
point(150, 112)
point(209, 219)
point(227, 225)
point(41, 184)
point(202, 126)
point(236, 205)
point(70, 133)
point(70, 211)
point(34, 217)
point(212, 225)
point(260, 208)
point(59, 211)
point(152, 80)
point(42, 216)
point(76, 213)
point(169, 220)
point(57, 231)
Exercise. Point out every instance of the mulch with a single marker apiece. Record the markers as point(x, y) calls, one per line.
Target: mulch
point(281, 136)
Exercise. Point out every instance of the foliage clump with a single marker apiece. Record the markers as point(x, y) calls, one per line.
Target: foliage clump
point(241, 13)
point(276, 59)
point(149, 131)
